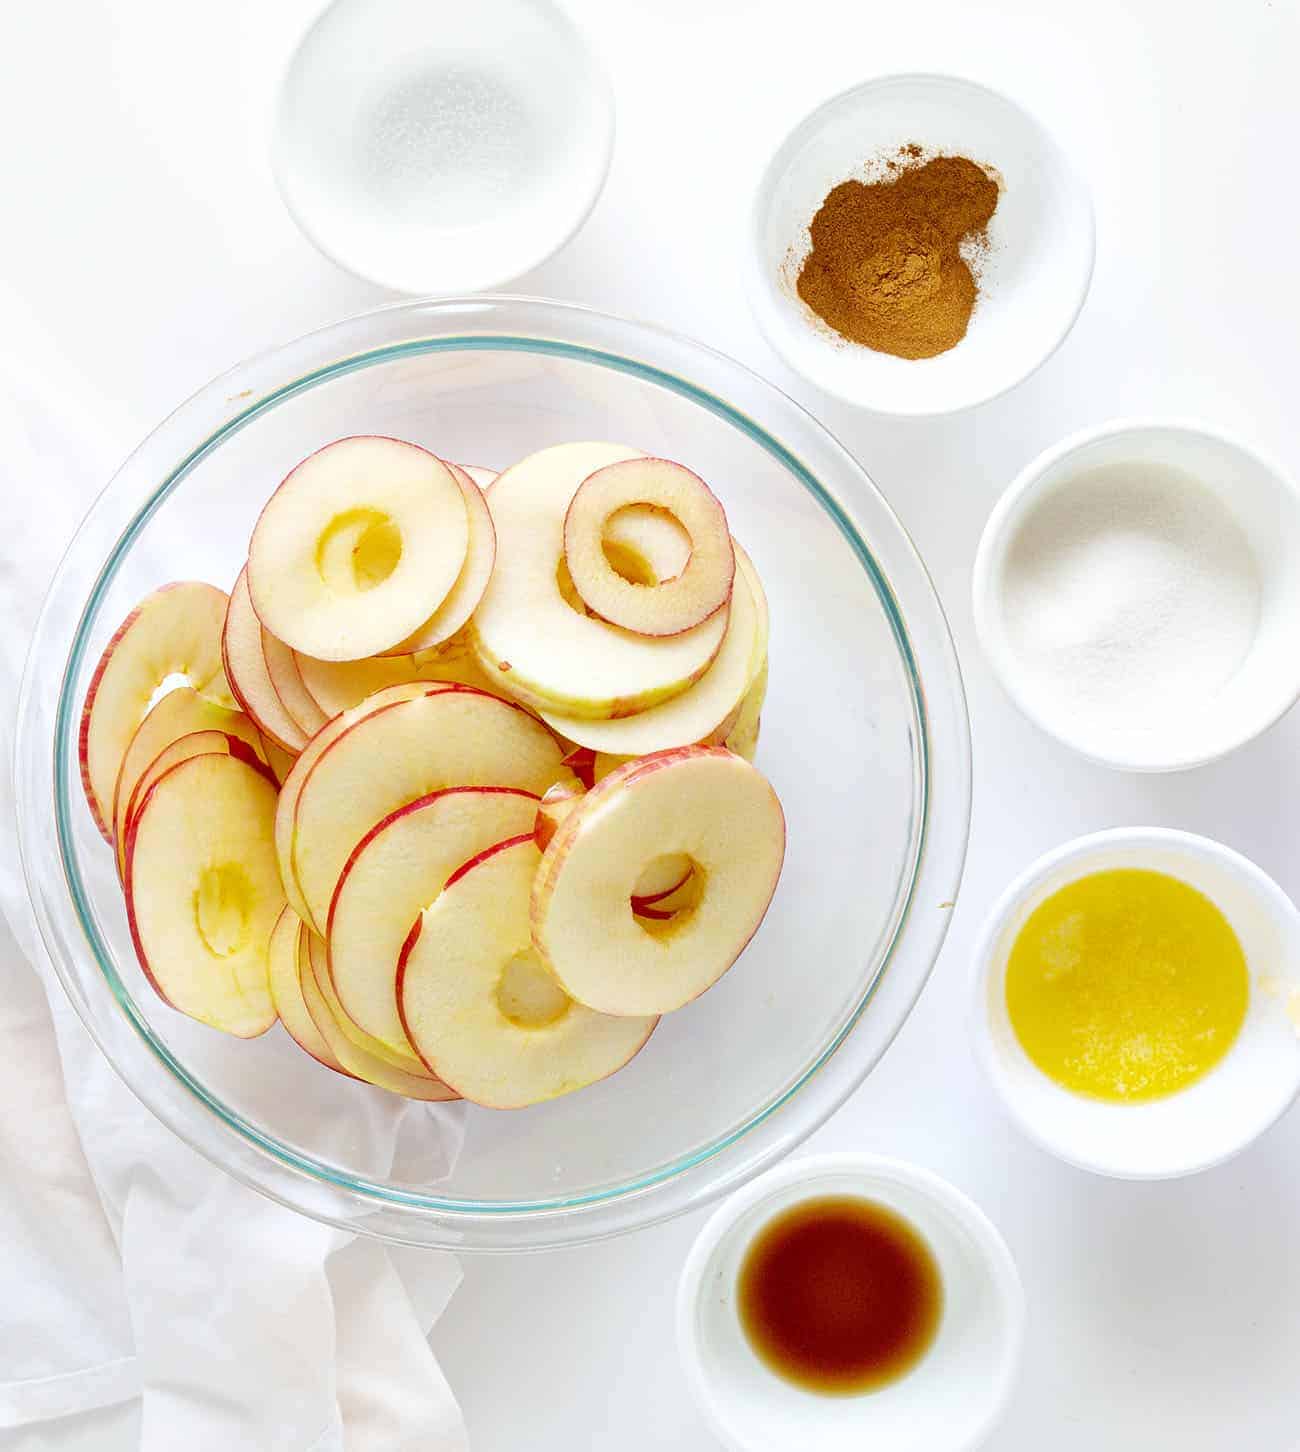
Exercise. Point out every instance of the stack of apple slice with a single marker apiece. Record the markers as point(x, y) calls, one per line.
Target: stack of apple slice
point(456, 784)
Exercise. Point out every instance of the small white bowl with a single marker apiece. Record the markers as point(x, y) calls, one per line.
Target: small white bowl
point(1033, 281)
point(1217, 1116)
point(442, 146)
point(1264, 502)
point(948, 1402)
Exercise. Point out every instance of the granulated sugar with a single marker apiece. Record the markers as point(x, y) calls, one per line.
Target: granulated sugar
point(1130, 595)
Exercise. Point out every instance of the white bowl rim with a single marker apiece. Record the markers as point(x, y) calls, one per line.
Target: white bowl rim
point(1009, 512)
point(1079, 849)
point(602, 91)
point(760, 288)
point(870, 1170)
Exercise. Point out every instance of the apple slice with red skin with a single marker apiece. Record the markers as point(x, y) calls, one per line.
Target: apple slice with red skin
point(667, 607)
point(480, 1008)
point(286, 992)
point(482, 477)
point(707, 708)
point(176, 631)
point(292, 783)
point(203, 891)
point(278, 759)
point(398, 1055)
point(246, 670)
point(337, 686)
point(703, 802)
point(581, 761)
point(448, 737)
point(286, 678)
point(545, 652)
point(179, 713)
point(359, 1062)
point(196, 743)
point(556, 804)
point(454, 612)
point(357, 547)
point(396, 870)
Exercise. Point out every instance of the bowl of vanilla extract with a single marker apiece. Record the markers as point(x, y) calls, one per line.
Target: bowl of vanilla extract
point(850, 1300)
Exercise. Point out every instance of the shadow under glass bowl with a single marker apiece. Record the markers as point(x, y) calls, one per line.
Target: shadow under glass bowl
point(865, 738)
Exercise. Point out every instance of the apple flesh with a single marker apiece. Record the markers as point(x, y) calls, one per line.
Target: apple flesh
point(481, 1009)
point(175, 632)
point(286, 991)
point(449, 737)
point(667, 607)
point(197, 743)
point(554, 807)
point(397, 1055)
point(704, 709)
point(179, 713)
point(203, 891)
point(533, 642)
point(462, 600)
point(337, 686)
point(355, 1060)
point(357, 548)
point(395, 871)
point(742, 738)
point(702, 802)
point(286, 678)
point(246, 670)
point(301, 769)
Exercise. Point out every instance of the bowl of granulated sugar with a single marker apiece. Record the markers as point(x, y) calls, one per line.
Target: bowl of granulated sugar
point(1137, 593)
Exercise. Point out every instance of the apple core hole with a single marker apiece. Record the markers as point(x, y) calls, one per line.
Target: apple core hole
point(528, 996)
point(223, 902)
point(661, 912)
point(359, 550)
point(623, 556)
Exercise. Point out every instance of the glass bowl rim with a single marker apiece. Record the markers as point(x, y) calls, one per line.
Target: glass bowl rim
point(474, 310)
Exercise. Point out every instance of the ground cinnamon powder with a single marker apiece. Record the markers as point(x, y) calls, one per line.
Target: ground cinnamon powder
point(885, 267)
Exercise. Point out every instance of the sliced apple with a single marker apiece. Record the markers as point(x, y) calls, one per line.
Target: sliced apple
point(462, 600)
point(337, 686)
point(246, 670)
point(554, 807)
point(286, 991)
point(203, 891)
point(179, 713)
point(663, 608)
point(278, 759)
point(702, 802)
point(302, 767)
point(173, 633)
point(533, 642)
point(197, 743)
point(481, 1009)
point(398, 1055)
point(357, 548)
point(449, 737)
point(481, 476)
point(742, 738)
point(700, 711)
point(392, 875)
point(355, 1060)
point(286, 678)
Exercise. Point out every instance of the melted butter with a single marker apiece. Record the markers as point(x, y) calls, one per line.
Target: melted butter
point(1127, 985)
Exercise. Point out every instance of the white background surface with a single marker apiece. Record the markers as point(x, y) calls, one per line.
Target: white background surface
point(141, 222)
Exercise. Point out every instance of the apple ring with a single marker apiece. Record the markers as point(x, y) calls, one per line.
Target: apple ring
point(669, 606)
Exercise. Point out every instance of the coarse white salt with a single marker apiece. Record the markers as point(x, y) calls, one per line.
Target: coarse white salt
point(1130, 596)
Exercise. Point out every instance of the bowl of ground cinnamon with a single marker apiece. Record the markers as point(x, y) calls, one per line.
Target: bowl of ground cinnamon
point(919, 244)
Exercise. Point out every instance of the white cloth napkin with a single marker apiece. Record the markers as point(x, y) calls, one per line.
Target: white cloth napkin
point(128, 1264)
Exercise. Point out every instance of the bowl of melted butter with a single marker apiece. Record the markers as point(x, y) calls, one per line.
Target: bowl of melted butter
point(1136, 1002)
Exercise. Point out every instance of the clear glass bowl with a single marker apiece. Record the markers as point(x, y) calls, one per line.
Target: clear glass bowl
point(865, 737)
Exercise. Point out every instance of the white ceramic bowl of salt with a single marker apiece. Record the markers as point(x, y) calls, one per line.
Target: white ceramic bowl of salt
point(439, 146)
point(1137, 592)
